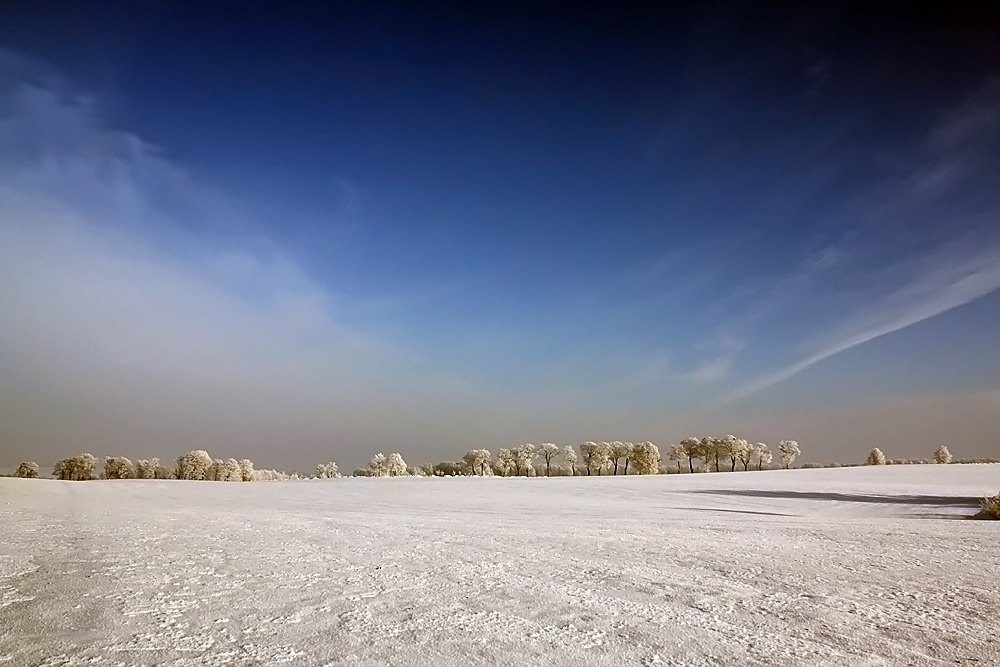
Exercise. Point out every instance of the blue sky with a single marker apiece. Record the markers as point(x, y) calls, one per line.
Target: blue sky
point(314, 234)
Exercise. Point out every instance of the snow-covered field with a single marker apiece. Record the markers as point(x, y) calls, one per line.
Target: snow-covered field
point(850, 566)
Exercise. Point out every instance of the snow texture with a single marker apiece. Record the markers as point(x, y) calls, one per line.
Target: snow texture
point(858, 567)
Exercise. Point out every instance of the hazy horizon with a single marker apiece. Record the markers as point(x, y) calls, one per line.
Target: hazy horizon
point(310, 235)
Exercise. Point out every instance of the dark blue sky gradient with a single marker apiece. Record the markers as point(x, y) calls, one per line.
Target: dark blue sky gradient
point(679, 205)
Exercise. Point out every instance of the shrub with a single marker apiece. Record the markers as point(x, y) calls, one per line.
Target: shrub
point(991, 507)
point(27, 470)
point(876, 458)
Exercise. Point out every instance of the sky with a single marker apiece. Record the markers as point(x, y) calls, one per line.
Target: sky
point(314, 233)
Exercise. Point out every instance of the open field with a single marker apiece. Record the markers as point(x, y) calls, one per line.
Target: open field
point(850, 566)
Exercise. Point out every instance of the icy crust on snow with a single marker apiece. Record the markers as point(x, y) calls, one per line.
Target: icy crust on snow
point(851, 566)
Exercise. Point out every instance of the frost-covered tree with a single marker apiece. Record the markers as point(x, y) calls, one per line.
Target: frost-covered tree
point(763, 454)
point(449, 469)
point(268, 476)
point(27, 470)
point(478, 461)
point(146, 468)
point(729, 446)
point(227, 470)
point(618, 450)
point(942, 455)
point(246, 470)
point(327, 470)
point(118, 467)
point(646, 458)
point(788, 450)
point(378, 465)
point(747, 453)
point(569, 458)
point(711, 449)
point(523, 459)
point(196, 464)
point(548, 451)
point(677, 453)
point(503, 465)
point(692, 450)
point(595, 455)
point(876, 458)
point(395, 466)
point(76, 468)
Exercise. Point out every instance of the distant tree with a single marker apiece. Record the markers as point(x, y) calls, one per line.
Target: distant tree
point(195, 464)
point(269, 476)
point(76, 468)
point(618, 450)
point(478, 461)
point(449, 469)
point(146, 468)
point(416, 471)
point(729, 447)
point(678, 453)
point(504, 463)
point(646, 457)
point(942, 455)
point(569, 456)
point(395, 466)
point(523, 457)
point(227, 470)
point(118, 467)
point(327, 470)
point(378, 465)
point(595, 455)
point(27, 470)
point(763, 454)
point(876, 458)
point(246, 470)
point(788, 450)
point(692, 450)
point(548, 451)
point(747, 453)
point(711, 449)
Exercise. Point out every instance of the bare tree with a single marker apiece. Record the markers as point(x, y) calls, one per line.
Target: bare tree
point(27, 470)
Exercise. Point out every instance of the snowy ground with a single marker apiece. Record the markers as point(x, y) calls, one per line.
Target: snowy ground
point(851, 566)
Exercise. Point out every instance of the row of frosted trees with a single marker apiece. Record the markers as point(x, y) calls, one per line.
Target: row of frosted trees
point(195, 465)
point(594, 458)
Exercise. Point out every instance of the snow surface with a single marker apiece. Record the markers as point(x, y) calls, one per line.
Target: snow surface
point(850, 566)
